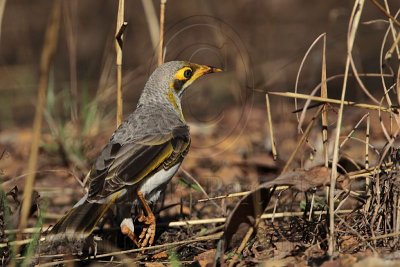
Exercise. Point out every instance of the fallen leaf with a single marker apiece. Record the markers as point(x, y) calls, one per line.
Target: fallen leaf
point(331, 263)
point(348, 242)
point(283, 249)
point(374, 261)
point(206, 258)
point(289, 261)
point(347, 260)
point(246, 211)
point(302, 180)
point(251, 206)
point(160, 255)
point(154, 264)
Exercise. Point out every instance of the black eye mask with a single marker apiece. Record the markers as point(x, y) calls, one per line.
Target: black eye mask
point(178, 84)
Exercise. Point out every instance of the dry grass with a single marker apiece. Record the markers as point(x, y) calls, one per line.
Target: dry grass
point(49, 48)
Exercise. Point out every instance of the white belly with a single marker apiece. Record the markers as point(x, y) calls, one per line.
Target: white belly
point(150, 188)
point(156, 181)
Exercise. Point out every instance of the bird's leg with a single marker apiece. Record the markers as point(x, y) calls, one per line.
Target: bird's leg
point(148, 233)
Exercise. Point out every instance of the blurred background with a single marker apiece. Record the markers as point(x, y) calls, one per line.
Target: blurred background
point(259, 44)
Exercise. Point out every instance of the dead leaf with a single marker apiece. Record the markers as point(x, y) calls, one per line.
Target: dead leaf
point(283, 249)
point(331, 263)
point(314, 252)
point(251, 206)
point(343, 182)
point(374, 261)
point(347, 260)
point(206, 258)
point(348, 242)
point(246, 211)
point(160, 255)
point(280, 263)
point(302, 180)
point(154, 264)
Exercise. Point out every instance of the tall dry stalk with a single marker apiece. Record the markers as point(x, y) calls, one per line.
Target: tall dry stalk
point(70, 10)
point(2, 7)
point(353, 26)
point(49, 48)
point(270, 128)
point(152, 22)
point(118, 48)
point(324, 116)
point(310, 98)
point(161, 45)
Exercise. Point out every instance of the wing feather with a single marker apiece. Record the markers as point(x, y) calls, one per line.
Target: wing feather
point(121, 165)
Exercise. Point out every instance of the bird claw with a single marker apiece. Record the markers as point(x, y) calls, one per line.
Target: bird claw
point(148, 233)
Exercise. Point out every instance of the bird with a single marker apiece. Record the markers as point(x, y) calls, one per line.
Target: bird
point(141, 157)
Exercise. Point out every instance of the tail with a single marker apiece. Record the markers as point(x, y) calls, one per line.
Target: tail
point(79, 222)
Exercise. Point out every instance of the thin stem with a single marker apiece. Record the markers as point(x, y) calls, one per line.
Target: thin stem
point(162, 18)
point(49, 48)
point(354, 21)
point(118, 50)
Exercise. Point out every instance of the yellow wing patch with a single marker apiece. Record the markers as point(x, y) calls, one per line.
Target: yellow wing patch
point(165, 153)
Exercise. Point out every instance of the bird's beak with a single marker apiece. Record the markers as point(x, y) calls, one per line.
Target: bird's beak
point(214, 70)
point(202, 70)
point(208, 69)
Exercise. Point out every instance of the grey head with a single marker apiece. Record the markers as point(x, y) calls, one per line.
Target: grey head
point(168, 82)
point(159, 107)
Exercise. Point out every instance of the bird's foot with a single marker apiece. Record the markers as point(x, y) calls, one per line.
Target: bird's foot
point(148, 233)
point(147, 236)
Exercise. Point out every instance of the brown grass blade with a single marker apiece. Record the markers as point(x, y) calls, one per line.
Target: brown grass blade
point(353, 26)
point(160, 61)
point(270, 128)
point(324, 115)
point(331, 101)
point(383, 10)
point(49, 48)
point(152, 22)
point(301, 67)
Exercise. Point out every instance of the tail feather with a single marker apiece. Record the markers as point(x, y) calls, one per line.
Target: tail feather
point(79, 222)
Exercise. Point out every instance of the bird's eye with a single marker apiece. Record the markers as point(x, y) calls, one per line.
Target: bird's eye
point(188, 73)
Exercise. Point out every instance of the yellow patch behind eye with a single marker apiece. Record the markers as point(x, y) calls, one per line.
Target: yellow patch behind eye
point(180, 75)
